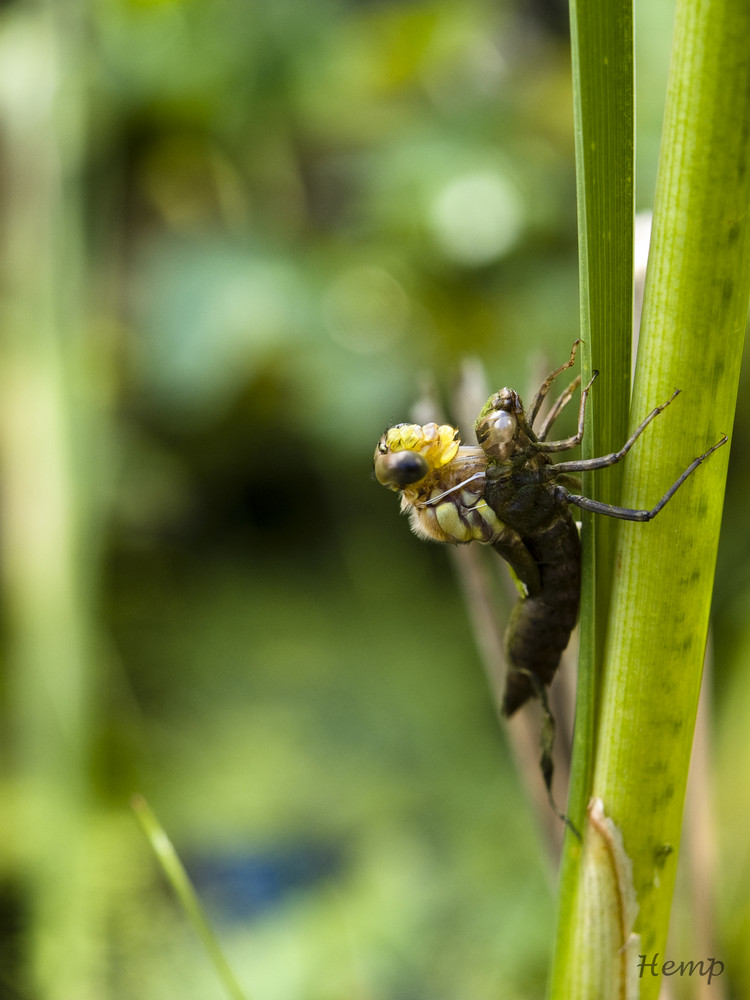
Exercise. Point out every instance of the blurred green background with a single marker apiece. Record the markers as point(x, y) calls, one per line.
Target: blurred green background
point(238, 239)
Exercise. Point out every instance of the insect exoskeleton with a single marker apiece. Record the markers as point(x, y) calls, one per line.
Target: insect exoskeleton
point(509, 493)
point(498, 426)
point(441, 482)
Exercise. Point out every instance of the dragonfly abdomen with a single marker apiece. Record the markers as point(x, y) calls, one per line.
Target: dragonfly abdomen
point(541, 623)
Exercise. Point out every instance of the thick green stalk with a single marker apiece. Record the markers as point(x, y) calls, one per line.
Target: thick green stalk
point(695, 311)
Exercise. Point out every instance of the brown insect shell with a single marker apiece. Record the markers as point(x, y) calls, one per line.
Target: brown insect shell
point(502, 431)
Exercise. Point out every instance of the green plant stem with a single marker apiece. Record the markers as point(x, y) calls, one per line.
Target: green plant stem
point(178, 878)
point(695, 311)
point(46, 499)
point(602, 49)
point(602, 56)
point(697, 294)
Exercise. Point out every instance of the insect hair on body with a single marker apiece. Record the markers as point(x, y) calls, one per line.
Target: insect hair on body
point(508, 494)
point(445, 504)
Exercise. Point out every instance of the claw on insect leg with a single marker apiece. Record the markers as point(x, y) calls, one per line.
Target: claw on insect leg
point(545, 386)
point(560, 403)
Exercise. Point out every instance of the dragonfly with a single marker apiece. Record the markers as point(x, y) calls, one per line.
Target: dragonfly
point(507, 493)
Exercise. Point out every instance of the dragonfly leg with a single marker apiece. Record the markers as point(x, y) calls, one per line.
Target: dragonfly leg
point(545, 386)
point(575, 440)
point(587, 464)
point(627, 513)
point(560, 404)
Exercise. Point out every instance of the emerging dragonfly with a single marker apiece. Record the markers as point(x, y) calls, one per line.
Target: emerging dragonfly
point(507, 493)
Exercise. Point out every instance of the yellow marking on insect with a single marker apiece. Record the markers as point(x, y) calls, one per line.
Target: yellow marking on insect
point(437, 443)
point(469, 522)
point(451, 523)
point(490, 518)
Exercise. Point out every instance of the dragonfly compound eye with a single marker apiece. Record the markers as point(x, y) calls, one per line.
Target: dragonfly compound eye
point(496, 432)
point(399, 469)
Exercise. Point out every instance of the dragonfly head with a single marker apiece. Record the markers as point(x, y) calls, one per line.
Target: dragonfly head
point(497, 427)
point(406, 453)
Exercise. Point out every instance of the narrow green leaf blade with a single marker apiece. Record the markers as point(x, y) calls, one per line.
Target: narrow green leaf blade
point(602, 44)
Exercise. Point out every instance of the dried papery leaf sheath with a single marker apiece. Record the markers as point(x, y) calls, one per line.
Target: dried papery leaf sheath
point(607, 881)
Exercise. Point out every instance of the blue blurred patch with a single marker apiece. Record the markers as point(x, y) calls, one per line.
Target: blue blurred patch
point(242, 886)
